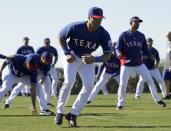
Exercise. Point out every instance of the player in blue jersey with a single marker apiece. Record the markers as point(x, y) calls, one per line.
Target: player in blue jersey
point(78, 40)
point(129, 49)
point(167, 67)
point(24, 69)
point(44, 79)
point(53, 72)
point(151, 64)
point(25, 50)
point(111, 70)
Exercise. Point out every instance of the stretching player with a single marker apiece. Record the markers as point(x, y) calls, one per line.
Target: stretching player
point(24, 69)
point(53, 72)
point(25, 50)
point(43, 78)
point(167, 67)
point(151, 64)
point(129, 47)
point(112, 69)
point(78, 40)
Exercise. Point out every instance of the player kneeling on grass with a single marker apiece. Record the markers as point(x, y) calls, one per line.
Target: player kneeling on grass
point(24, 69)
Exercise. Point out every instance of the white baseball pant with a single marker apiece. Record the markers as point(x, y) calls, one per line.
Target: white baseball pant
point(9, 80)
point(157, 76)
point(101, 83)
point(87, 74)
point(54, 75)
point(125, 73)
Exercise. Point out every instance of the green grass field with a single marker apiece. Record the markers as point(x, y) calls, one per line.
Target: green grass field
point(100, 115)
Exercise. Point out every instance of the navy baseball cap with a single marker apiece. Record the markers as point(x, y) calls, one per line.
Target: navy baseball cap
point(135, 18)
point(96, 12)
point(47, 56)
point(33, 61)
point(149, 40)
point(46, 40)
point(25, 38)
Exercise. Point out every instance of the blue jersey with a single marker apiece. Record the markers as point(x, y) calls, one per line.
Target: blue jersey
point(50, 49)
point(130, 45)
point(44, 69)
point(150, 63)
point(81, 41)
point(112, 66)
point(19, 70)
point(25, 50)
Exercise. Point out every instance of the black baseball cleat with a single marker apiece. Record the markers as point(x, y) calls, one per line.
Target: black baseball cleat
point(58, 119)
point(6, 106)
point(167, 97)
point(119, 107)
point(88, 102)
point(46, 112)
point(49, 104)
point(162, 104)
point(71, 119)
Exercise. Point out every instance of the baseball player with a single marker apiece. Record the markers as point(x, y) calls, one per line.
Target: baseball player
point(25, 50)
point(167, 67)
point(24, 69)
point(98, 73)
point(78, 40)
point(151, 64)
point(43, 77)
point(111, 69)
point(53, 72)
point(129, 49)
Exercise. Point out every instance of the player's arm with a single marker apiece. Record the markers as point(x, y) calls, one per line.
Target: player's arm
point(33, 81)
point(69, 57)
point(157, 57)
point(88, 59)
point(33, 98)
point(56, 57)
point(119, 45)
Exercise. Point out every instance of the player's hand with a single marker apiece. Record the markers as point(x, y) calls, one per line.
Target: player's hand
point(88, 59)
point(41, 81)
point(70, 58)
point(169, 69)
point(152, 57)
point(34, 111)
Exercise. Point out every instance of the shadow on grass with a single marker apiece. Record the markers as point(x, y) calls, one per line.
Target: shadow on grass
point(147, 127)
point(25, 115)
point(97, 105)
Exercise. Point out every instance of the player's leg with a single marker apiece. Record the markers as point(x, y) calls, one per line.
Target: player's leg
point(16, 90)
point(54, 75)
point(47, 90)
point(143, 71)
point(70, 72)
point(139, 88)
point(88, 83)
point(8, 80)
point(102, 81)
point(124, 77)
point(157, 76)
point(167, 80)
